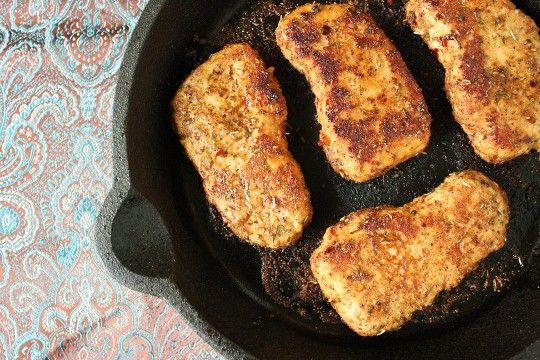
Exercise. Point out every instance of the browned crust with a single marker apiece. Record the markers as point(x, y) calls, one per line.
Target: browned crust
point(491, 54)
point(230, 115)
point(338, 48)
point(463, 24)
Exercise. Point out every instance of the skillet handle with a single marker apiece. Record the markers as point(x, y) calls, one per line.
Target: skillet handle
point(134, 243)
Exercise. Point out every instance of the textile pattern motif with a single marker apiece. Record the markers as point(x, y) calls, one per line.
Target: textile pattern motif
point(58, 66)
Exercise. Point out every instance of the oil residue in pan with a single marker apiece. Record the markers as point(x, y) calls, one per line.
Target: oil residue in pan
point(286, 276)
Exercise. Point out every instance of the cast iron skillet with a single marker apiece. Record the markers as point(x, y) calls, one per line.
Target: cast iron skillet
point(157, 234)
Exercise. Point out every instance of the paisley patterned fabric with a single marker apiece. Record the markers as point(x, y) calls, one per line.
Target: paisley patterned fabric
point(58, 65)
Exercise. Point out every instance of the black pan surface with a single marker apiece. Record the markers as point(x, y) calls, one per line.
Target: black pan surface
point(493, 313)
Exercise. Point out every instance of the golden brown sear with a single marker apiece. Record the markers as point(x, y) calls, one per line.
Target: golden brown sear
point(378, 266)
point(371, 110)
point(491, 54)
point(231, 117)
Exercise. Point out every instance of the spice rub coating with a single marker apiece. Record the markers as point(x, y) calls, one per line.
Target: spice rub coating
point(378, 266)
point(491, 54)
point(372, 112)
point(230, 115)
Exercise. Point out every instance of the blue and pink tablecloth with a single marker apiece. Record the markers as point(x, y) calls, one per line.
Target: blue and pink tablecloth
point(58, 66)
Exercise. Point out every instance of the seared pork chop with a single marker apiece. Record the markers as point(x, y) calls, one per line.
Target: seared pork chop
point(371, 110)
point(378, 266)
point(491, 54)
point(231, 117)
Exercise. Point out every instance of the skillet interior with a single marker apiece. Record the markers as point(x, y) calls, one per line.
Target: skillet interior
point(286, 274)
point(509, 291)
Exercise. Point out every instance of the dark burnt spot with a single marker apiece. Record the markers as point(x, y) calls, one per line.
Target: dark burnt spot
point(303, 36)
point(361, 137)
point(533, 83)
point(265, 88)
point(368, 42)
point(337, 102)
point(391, 129)
point(326, 30)
point(399, 125)
point(328, 66)
point(473, 69)
point(339, 93)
